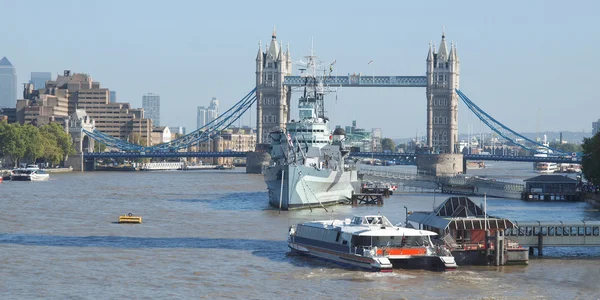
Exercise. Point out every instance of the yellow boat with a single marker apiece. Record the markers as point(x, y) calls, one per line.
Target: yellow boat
point(130, 219)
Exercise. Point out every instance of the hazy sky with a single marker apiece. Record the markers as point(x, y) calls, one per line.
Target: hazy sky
point(516, 56)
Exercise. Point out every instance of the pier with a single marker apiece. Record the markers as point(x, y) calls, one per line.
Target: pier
point(367, 198)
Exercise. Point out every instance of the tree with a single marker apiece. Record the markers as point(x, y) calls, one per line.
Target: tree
point(63, 139)
point(51, 152)
point(32, 142)
point(11, 142)
point(388, 144)
point(590, 162)
point(99, 147)
point(568, 148)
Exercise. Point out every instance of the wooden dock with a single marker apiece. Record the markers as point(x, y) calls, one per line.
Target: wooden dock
point(385, 192)
point(367, 198)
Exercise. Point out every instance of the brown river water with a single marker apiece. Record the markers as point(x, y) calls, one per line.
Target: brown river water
point(211, 234)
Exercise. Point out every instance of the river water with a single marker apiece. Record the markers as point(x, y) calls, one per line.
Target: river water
point(211, 234)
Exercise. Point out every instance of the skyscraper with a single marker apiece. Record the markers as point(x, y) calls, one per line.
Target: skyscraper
point(201, 117)
point(113, 96)
point(207, 114)
point(595, 127)
point(151, 106)
point(8, 84)
point(214, 105)
point(38, 79)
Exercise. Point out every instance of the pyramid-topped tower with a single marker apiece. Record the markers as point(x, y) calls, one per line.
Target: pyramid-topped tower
point(8, 84)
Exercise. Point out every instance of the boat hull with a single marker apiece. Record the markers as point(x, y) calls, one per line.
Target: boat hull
point(38, 177)
point(304, 187)
point(435, 263)
point(375, 264)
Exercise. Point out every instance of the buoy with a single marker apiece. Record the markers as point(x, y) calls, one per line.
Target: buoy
point(131, 219)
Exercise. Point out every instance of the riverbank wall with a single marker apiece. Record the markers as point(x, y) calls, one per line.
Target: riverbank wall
point(593, 199)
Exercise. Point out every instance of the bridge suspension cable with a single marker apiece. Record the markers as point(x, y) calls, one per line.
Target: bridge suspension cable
point(503, 130)
point(201, 134)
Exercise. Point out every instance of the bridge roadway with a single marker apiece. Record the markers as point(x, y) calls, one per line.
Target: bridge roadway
point(408, 157)
point(158, 154)
point(358, 80)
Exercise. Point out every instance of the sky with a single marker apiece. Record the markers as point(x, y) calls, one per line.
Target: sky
point(519, 59)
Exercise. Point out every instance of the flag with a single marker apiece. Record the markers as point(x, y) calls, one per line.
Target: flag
point(333, 63)
point(370, 62)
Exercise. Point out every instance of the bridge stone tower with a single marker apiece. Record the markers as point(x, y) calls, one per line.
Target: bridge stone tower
point(273, 99)
point(443, 69)
point(82, 143)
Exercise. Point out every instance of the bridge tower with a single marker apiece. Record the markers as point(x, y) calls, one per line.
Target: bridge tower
point(443, 68)
point(273, 99)
point(77, 122)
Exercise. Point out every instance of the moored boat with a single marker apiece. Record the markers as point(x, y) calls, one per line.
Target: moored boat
point(30, 173)
point(370, 242)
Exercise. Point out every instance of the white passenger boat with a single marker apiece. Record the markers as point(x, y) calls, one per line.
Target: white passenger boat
point(370, 242)
point(545, 167)
point(30, 173)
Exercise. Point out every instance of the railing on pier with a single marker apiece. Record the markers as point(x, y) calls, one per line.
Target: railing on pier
point(474, 184)
point(557, 233)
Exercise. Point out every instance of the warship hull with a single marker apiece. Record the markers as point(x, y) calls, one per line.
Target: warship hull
point(308, 187)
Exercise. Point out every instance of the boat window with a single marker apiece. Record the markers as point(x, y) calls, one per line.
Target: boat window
point(544, 230)
point(596, 231)
point(566, 231)
point(559, 231)
point(356, 221)
point(588, 230)
point(337, 238)
point(574, 231)
point(581, 230)
point(551, 231)
point(536, 230)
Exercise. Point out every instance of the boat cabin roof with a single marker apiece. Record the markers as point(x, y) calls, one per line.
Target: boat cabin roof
point(369, 225)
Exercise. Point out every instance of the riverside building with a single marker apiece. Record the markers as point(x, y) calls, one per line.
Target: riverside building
point(70, 91)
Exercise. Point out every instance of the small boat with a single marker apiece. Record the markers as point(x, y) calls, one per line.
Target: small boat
point(370, 242)
point(29, 173)
point(130, 219)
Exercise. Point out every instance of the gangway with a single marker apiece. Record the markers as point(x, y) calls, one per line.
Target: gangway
point(540, 234)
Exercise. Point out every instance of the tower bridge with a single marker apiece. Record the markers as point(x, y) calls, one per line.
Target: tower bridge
point(272, 95)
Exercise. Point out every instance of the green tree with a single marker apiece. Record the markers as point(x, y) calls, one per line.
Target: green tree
point(62, 138)
point(32, 140)
point(590, 162)
point(388, 144)
point(12, 143)
point(99, 147)
point(51, 152)
point(569, 147)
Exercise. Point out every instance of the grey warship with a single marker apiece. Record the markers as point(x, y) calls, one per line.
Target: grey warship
point(309, 166)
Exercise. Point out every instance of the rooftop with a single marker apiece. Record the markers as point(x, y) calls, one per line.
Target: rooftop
point(5, 62)
point(551, 179)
